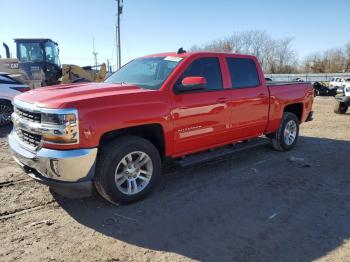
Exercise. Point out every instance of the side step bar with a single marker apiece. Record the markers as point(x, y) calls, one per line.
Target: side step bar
point(220, 152)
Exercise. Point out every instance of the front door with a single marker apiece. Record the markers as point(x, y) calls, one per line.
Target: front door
point(201, 118)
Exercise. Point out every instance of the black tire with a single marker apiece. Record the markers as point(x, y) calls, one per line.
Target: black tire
point(340, 108)
point(6, 109)
point(278, 138)
point(108, 159)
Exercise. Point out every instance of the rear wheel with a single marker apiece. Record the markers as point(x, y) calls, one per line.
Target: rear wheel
point(6, 109)
point(127, 169)
point(286, 136)
point(340, 108)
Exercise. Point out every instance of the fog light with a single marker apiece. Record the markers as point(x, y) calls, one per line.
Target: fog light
point(55, 167)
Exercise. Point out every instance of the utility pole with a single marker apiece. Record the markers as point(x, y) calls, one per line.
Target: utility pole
point(94, 53)
point(119, 12)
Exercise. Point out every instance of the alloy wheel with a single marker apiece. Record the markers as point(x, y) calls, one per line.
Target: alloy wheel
point(290, 132)
point(133, 173)
point(5, 114)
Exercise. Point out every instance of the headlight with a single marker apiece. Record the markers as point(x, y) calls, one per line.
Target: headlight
point(61, 127)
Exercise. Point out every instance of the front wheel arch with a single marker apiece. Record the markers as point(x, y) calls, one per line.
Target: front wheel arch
point(152, 132)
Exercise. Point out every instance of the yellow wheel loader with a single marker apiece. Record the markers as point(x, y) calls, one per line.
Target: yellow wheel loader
point(75, 74)
point(38, 64)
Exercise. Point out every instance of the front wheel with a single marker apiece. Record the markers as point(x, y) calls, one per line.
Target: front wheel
point(6, 109)
point(286, 136)
point(340, 108)
point(127, 169)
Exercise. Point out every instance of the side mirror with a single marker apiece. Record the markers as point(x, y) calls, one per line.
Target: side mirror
point(193, 83)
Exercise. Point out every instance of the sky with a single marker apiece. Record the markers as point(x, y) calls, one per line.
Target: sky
point(153, 26)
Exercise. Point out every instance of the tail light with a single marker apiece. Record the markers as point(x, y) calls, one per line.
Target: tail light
point(21, 88)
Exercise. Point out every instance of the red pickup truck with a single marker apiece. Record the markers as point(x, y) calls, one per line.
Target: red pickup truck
point(114, 136)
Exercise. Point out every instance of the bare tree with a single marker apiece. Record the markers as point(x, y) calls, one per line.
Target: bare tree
point(347, 49)
point(334, 60)
point(275, 56)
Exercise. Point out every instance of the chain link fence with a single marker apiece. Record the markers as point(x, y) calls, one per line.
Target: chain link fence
point(307, 77)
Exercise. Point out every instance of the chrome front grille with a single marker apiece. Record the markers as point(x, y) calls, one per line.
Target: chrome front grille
point(28, 115)
point(35, 126)
point(25, 120)
point(30, 139)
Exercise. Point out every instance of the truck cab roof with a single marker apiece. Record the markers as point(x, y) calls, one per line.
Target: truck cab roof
point(198, 53)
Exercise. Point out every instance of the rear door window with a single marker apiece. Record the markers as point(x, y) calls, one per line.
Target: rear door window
point(208, 67)
point(243, 72)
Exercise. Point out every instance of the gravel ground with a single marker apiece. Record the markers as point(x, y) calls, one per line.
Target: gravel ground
point(258, 205)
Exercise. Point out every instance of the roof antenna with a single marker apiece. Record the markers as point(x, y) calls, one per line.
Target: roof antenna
point(181, 51)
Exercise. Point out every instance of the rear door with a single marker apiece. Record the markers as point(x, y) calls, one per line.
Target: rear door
point(250, 98)
point(201, 118)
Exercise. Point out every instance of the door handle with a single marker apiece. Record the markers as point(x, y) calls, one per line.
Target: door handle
point(222, 100)
point(261, 95)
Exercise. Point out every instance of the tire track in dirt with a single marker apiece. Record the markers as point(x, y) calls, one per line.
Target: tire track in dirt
point(6, 215)
point(14, 182)
point(23, 195)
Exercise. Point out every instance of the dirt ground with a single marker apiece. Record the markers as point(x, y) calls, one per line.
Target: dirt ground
point(258, 205)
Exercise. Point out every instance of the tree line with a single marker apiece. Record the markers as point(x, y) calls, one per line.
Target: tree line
point(277, 56)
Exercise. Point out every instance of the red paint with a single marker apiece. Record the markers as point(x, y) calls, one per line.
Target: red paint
point(191, 122)
point(194, 81)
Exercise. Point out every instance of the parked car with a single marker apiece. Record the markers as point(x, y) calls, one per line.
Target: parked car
point(339, 82)
point(346, 82)
point(342, 101)
point(114, 136)
point(321, 89)
point(298, 79)
point(340, 90)
point(9, 88)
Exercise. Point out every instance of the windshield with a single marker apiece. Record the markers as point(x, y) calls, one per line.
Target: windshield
point(30, 52)
point(34, 52)
point(149, 73)
point(51, 51)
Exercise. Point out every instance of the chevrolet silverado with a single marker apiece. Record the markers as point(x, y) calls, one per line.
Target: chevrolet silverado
point(114, 136)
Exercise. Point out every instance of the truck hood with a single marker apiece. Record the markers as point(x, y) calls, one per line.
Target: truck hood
point(58, 96)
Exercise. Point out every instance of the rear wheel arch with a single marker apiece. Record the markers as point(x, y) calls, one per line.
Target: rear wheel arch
point(296, 109)
point(4, 100)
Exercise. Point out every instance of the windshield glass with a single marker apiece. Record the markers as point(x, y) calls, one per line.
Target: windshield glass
point(51, 51)
point(30, 52)
point(149, 73)
point(34, 52)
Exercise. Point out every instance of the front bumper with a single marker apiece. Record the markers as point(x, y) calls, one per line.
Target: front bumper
point(343, 99)
point(68, 172)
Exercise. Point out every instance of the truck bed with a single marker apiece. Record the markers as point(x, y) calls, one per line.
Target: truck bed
point(278, 83)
